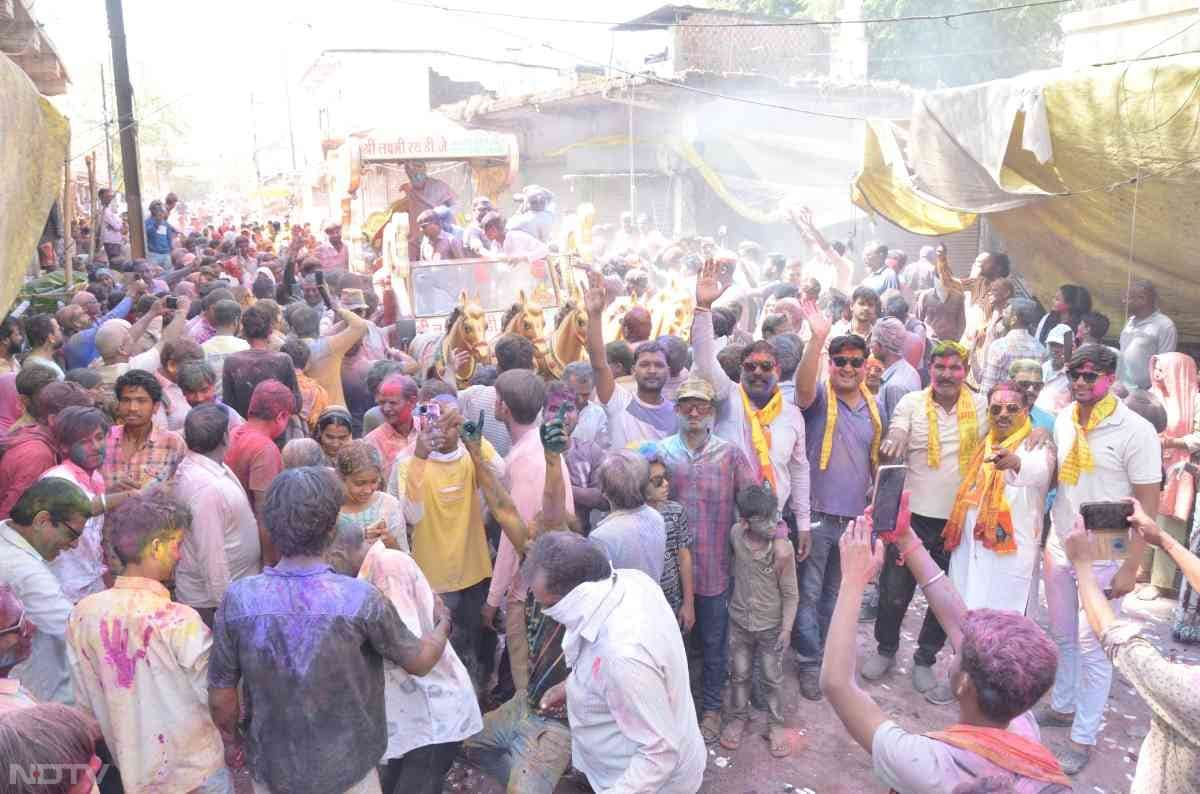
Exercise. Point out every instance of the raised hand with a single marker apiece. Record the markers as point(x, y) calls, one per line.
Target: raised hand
point(816, 319)
point(595, 298)
point(471, 433)
point(860, 562)
point(553, 434)
point(709, 286)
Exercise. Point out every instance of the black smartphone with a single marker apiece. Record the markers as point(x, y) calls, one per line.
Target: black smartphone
point(319, 277)
point(1106, 515)
point(885, 503)
point(172, 302)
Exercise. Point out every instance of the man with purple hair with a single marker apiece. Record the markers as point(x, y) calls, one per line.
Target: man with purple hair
point(1004, 664)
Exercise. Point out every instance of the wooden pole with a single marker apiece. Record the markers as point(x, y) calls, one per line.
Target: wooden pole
point(95, 202)
point(68, 206)
point(127, 127)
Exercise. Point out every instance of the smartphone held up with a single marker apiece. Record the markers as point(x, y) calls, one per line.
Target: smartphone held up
point(885, 502)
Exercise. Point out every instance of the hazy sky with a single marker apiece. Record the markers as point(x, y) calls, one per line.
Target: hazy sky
point(201, 62)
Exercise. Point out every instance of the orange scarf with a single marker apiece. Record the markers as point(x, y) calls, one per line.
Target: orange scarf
point(983, 488)
point(760, 432)
point(1006, 750)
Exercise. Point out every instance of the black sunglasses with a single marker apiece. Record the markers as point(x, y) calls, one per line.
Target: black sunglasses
point(763, 366)
point(1008, 408)
point(658, 481)
point(1088, 377)
point(841, 361)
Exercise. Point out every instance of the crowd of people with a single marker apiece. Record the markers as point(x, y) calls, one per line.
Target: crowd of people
point(244, 529)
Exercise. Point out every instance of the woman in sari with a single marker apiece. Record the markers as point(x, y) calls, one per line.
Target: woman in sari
point(1173, 382)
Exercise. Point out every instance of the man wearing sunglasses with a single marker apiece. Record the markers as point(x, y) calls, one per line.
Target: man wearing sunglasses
point(50, 516)
point(16, 643)
point(1105, 452)
point(994, 530)
point(755, 417)
point(841, 444)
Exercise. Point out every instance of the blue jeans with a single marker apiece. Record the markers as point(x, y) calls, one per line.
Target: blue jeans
point(712, 634)
point(520, 748)
point(820, 576)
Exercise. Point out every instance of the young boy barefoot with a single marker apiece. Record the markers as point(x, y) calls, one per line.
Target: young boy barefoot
point(761, 613)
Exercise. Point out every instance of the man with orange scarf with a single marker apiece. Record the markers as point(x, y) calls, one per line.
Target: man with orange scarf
point(1003, 665)
point(757, 419)
point(845, 430)
point(754, 416)
point(1105, 452)
point(993, 532)
point(1173, 381)
point(935, 432)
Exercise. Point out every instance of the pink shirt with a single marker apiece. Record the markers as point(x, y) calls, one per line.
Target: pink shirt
point(333, 259)
point(526, 465)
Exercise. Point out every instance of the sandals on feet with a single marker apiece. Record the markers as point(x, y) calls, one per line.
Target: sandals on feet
point(781, 745)
point(710, 726)
point(731, 734)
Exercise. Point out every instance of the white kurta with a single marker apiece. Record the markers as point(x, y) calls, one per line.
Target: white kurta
point(987, 580)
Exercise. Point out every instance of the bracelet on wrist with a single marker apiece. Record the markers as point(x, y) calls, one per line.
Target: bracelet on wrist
point(934, 578)
point(905, 551)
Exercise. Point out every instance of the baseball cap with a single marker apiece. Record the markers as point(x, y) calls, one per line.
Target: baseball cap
point(1058, 334)
point(695, 389)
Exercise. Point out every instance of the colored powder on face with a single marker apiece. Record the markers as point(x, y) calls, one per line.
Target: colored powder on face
point(116, 652)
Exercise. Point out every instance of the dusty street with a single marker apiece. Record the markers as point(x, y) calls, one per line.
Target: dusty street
point(827, 762)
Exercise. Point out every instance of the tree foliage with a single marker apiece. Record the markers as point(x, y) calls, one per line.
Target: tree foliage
point(963, 50)
point(933, 53)
point(770, 8)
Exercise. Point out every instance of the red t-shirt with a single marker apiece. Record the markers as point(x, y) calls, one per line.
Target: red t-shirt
point(254, 458)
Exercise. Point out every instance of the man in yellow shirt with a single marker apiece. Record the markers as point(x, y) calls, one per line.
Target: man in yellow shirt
point(449, 541)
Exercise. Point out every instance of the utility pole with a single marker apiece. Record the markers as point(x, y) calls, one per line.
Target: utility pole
point(107, 126)
point(287, 95)
point(127, 126)
point(254, 142)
